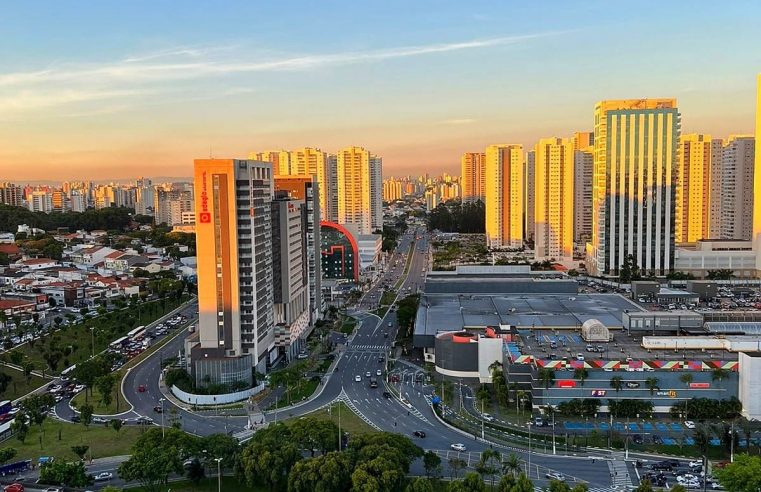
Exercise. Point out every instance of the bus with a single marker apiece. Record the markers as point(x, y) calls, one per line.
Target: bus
point(118, 344)
point(5, 407)
point(136, 334)
point(15, 468)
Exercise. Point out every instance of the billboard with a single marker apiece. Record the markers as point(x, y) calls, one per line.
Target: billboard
point(599, 392)
point(700, 385)
point(566, 383)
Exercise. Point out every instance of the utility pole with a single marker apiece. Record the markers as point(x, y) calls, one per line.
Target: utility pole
point(162, 416)
point(528, 471)
point(553, 431)
point(340, 441)
point(482, 419)
point(219, 474)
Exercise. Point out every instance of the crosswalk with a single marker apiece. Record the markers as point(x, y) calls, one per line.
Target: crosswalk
point(368, 348)
point(619, 474)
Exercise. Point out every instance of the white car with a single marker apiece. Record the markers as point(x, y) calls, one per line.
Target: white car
point(103, 476)
point(52, 489)
point(367, 374)
point(555, 476)
point(487, 417)
point(378, 372)
point(694, 463)
point(358, 378)
point(689, 424)
point(458, 447)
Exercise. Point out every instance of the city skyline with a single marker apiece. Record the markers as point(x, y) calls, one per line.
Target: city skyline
point(176, 90)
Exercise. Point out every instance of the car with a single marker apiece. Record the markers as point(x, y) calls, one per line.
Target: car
point(158, 409)
point(420, 434)
point(141, 388)
point(53, 489)
point(14, 487)
point(695, 463)
point(386, 394)
point(358, 378)
point(555, 476)
point(378, 372)
point(368, 374)
point(487, 417)
point(657, 440)
point(689, 424)
point(459, 447)
point(302, 355)
point(637, 439)
point(103, 476)
point(76, 419)
point(580, 357)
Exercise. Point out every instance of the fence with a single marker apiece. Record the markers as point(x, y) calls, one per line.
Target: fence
point(192, 399)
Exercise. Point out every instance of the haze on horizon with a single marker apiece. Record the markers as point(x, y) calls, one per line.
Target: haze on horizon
point(110, 90)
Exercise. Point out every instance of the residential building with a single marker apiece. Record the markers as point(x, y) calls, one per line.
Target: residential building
point(306, 190)
point(693, 190)
point(472, 172)
point(503, 190)
point(553, 210)
point(234, 251)
point(359, 190)
point(583, 140)
point(392, 190)
point(40, 201)
point(737, 184)
point(583, 163)
point(529, 194)
point(636, 144)
point(280, 160)
point(170, 204)
point(144, 196)
point(291, 296)
point(11, 194)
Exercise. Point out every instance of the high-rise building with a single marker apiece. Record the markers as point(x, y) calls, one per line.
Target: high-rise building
point(529, 193)
point(553, 199)
point(40, 201)
point(583, 163)
point(737, 183)
point(636, 144)
point(170, 204)
point(144, 197)
point(694, 193)
point(280, 160)
point(77, 201)
point(583, 140)
point(503, 189)
point(289, 275)
point(234, 250)
point(11, 194)
point(472, 170)
point(360, 190)
point(392, 190)
point(305, 190)
point(59, 201)
point(714, 185)
point(757, 180)
point(310, 161)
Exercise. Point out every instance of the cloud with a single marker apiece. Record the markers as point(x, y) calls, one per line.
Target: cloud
point(66, 84)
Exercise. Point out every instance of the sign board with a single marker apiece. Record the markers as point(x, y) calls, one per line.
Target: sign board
point(670, 393)
point(700, 385)
point(599, 392)
point(566, 383)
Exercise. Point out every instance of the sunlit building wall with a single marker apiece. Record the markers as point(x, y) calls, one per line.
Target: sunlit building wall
point(529, 194)
point(737, 184)
point(693, 191)
point(472, 170)
point(503, 190)
point(583, 163)
point(280, 160)
point(360, 190)
point(636, 145)
point(553, 199)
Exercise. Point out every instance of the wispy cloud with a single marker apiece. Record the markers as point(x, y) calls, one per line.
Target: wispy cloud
point(70, 83)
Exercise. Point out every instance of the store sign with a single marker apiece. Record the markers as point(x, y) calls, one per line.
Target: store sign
point(670, 394)
point(599, 392)
point(204, 216)
point(567, 383)
point(700, 385)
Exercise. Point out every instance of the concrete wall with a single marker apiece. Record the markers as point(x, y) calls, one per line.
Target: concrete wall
point(750, 385)
point(215, 399)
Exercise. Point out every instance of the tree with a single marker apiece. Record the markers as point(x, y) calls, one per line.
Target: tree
point(558, 486)
point(7, 454)
point(720, 274)
point(16, 357)
point(419, 484)
point(80, 450)
point(744, 475)
point(116, 424)
point(718, 374)
point(546, 377)
point(455, 465)
point(652, 384)
point(66, 474)
point(327, 473)
point(511, 466)
point(105, 386)
point(86, 413)
point(269, 457)
point(644, 486)
point(686, 378)
point(195, 471)
point(523, 484)
point(28, 368)
point(617, 382)
point(489, 464)
point(20, 429)
point(155, 457)
point(432, 464)
point(678, 488)
point(506, 483)
point(314, 434)
point(581, 374)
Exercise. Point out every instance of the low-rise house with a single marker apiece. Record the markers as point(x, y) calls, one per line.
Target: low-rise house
point(32, 264)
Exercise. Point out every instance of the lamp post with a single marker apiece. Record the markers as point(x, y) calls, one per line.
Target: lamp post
point(482, 419)
point(553, 431)
point(528, 471)
point(162, 400)
point(92, 338)
point(219, 474)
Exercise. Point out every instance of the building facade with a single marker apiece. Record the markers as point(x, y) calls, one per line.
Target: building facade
point(503, 187)
point(234, 250)
point(737, 184)
point(583, 163)
point(694, 193)
point(359, 190)
point(472, 172)
point(529, 194)
point(636, 146)
point(553, 199)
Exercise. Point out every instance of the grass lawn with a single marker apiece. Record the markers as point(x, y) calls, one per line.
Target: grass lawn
point(75, 343)
point(58, 438)
point(350, 422)
point(388, 297)
point(18, 385)
point(381, 311)
point(298, 393)
point(208, 484)
point(347, 326)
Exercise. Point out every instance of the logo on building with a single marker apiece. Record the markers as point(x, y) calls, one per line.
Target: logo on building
point(670, 394)
point(599, 392)
point(204, 216)
point(700, 385)
point(566, 383)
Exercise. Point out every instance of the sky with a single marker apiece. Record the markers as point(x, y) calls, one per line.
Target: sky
point(115, 89)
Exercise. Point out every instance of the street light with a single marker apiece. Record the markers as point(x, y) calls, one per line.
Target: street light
point(162, 400)
point(528, 470)
point(219, 474)
point(92, 337)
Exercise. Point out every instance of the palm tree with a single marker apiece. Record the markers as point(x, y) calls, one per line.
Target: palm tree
point(581, 374)
point(546, 376)
point(686, 378)
point(489, 464)
point(519, 395)
point(652, 384)
point(494, 366)
point(511, 466)
point(719, 374)
point(617, 382)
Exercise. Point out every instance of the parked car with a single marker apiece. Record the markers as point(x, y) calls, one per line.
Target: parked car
point(689, 424)
point(103, 476)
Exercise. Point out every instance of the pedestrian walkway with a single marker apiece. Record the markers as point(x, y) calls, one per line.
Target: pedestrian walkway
point(366, 348)
point(619, 473)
